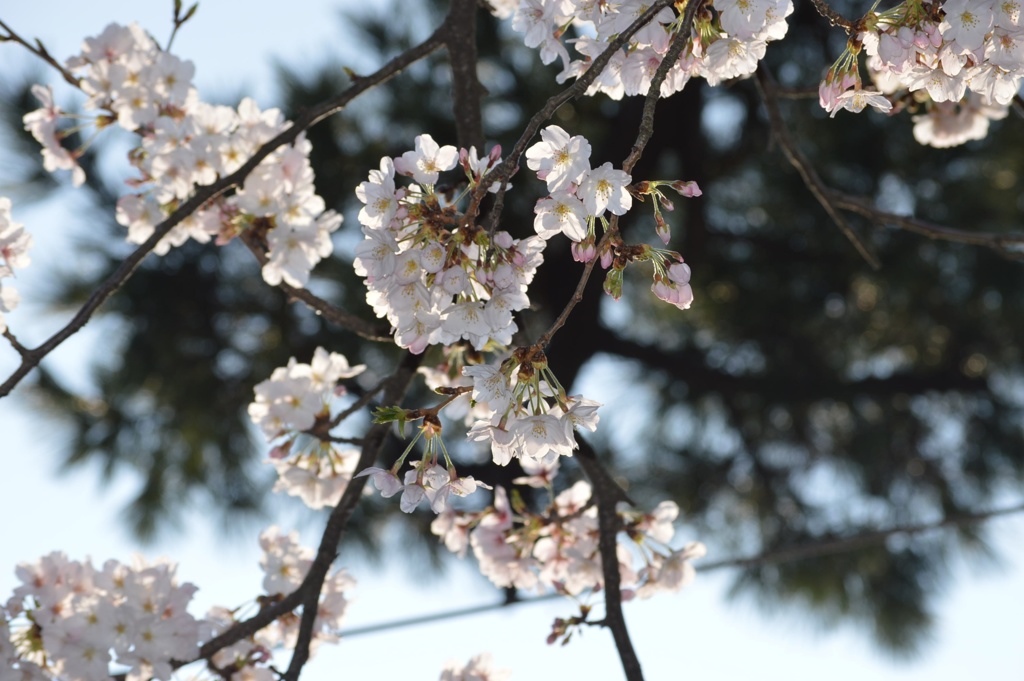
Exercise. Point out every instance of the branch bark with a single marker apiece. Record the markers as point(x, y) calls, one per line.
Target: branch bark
point(766, 86)
point(608, 494)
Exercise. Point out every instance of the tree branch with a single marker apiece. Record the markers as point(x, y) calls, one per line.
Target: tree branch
point(460, 39)
point(1009, 245)
point(308, 593)
point(682, 41)
point(40, 51)
point(373, 442)
point(336, 315)
point(834, 17)
point(308, 118)
point(608, 494)
point(766, 86)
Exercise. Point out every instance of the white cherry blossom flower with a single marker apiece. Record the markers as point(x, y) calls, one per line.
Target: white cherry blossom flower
point(559, 159)
point(427, 161)
point(857, 100)
point(604, 188)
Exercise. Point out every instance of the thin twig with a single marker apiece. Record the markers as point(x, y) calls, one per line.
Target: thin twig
point(40, 51)
point(766, 86)
point(581, 286)
point(12, 339)
point(332, 313)
point(354, 441)
point(204, 194)
point(359, 404)
point(1009, 245)
point(681, 43)
point(834, 17)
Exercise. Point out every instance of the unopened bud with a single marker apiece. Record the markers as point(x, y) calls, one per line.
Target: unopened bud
point(688, 189)
point(613, 283)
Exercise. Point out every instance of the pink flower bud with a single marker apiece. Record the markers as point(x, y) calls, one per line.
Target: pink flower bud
point(688, 189)
point(661, 228)
point(584, 251)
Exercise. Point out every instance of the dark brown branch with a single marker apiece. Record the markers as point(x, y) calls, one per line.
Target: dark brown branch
point(204, 194)
point(608, 494)
point(577, 295)
point(766, 86)
point(338, 520)
point(308, 593)
point(644, 134)
point(1009, 245)
point(12, 339)
point(460, 38)
point(359, 404)
point(40, 51)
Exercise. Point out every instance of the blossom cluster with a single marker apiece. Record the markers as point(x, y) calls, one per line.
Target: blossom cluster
point(579, 194)
point(295, 399)
point(579, 198)
point(70, 620)
point(726, 43)
point(285, 564)
point(528, 414)
point(436, 275)
point(14, 245)
point(185, 142)
point(426, 480)
point(558, 549)
point(517, 407)
point(960, 61)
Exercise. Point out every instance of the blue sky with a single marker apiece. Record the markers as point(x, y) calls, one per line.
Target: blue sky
point(694, 633)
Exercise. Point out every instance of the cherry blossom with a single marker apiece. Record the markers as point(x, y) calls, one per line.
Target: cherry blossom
point(604, 188)
point(14, 245)
point(560, 160)
point(857, 100)
point(83, 618)
point(428, 160)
